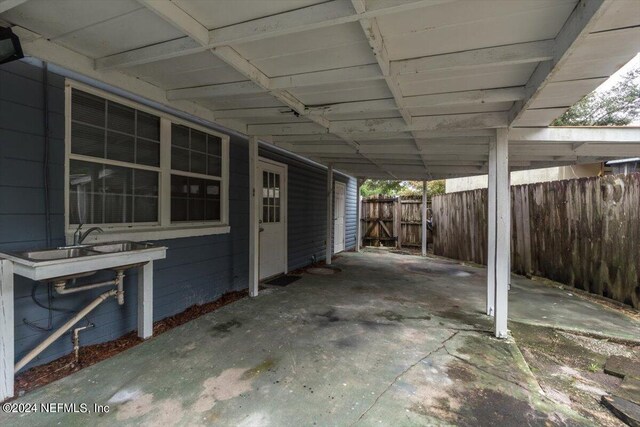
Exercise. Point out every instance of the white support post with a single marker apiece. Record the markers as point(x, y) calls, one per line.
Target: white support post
point(491, 231)
point(424, 218)
point(145, 300)
point(358, 216)
point(329, 247)
point(6, 330)
point(254, 226)
point(503, 232)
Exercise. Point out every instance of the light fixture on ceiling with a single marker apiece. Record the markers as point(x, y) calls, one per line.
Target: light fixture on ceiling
point(10, 48)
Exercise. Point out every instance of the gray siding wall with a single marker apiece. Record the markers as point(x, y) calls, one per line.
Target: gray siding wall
point(196, 270)
point(307, 201)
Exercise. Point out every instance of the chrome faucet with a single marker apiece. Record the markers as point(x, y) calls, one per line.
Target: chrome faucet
point(79, 236)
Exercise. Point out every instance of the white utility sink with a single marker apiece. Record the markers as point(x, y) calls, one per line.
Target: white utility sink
point(70, 261)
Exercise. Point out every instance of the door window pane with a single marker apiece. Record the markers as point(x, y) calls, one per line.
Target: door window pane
point(270, 197)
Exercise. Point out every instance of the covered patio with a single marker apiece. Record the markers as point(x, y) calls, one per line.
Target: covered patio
point(388, 339)
point(219, 121)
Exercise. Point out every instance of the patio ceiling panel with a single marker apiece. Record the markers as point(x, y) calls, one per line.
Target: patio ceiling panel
point(384, 82)
point(463, 26)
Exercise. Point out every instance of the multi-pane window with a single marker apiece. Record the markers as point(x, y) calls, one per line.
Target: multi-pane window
point(113, 167)
point(117, 177)
point(194, 199)
point(195, 151)
point(270, 197)
point(196, 168)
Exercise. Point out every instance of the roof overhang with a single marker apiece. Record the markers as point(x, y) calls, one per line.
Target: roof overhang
point(402, 89)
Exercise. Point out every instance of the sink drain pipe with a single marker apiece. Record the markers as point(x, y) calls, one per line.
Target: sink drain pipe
point(118, 292)
point(61, 286)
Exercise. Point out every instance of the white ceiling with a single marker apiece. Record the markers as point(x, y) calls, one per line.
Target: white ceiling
point(381, 88)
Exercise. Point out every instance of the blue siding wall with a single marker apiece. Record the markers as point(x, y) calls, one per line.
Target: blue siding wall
point(195, 271)
point(351, 212)
point(307, 202)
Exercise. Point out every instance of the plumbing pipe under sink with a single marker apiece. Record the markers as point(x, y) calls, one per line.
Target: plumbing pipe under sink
point(75, 340)
point(60, 285)
point(60, 288)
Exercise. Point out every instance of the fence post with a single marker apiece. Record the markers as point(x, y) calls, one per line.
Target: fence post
point(397, 218)
point(526, 231)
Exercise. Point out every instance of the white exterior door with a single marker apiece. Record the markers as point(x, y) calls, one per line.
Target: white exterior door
point(338, 217)
point(272, 218)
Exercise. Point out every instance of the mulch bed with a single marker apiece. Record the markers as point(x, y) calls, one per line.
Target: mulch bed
point(92, 354)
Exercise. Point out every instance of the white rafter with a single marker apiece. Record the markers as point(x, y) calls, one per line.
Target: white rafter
point(191, 27)
point(502, 55)
point(575, 29)
point(349, 127)
point(10, 4)
point(376, 41)
point(483, 96)
point(321, 15)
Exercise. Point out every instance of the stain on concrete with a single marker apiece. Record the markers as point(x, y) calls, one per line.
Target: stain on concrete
point(229, 384)
point(487, 407)
point(166, 412)
point(137, 405)
point(347, 342)
point(437, 269)
point(460, 372)
point(330, 315)
point(225, 328)
point(265, 366)
point(392, 316)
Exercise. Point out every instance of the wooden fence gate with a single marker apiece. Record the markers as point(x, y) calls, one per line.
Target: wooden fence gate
point(393, 222)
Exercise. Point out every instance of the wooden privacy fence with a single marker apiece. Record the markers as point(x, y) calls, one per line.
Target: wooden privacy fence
point(393, 222)
point(583, 232)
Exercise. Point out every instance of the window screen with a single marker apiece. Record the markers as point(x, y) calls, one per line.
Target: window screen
point(106, 194)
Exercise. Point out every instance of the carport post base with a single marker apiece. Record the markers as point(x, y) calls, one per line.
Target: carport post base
point(6, 330)
point(501, 261)
point(145, 300)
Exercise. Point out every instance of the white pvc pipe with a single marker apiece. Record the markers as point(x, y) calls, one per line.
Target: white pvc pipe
point(64, 328)
point(62, 290)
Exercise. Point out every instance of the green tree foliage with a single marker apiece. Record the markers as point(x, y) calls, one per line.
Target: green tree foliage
point(617, 106)
point(375, 187)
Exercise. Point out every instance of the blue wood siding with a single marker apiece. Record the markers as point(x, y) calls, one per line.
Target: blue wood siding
point(307, 201)
point(196, 270)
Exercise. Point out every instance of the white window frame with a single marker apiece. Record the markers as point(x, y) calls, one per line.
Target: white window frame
point(163, 229)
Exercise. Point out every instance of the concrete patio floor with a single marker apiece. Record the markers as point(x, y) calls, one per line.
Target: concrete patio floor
point(390, 340)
